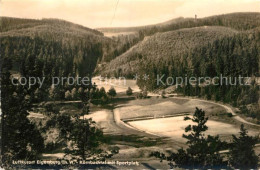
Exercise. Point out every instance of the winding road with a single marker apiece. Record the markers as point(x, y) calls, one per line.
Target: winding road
point(228, 109)
point(121, 123)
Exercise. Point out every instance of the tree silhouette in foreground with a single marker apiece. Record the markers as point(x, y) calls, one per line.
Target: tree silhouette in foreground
point(20, 139)
point(85, 138)
point(242, 155)
point(202, 151)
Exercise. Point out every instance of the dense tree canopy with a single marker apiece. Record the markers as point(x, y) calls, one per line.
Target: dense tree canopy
point(21, 139)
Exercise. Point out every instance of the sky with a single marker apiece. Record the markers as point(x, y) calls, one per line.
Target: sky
point(122, 13)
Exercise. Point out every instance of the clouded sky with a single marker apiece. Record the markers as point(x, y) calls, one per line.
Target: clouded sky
point(107, 13)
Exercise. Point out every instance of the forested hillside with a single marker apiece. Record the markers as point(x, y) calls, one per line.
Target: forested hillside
point(62, 35)
point(44, 49)
point(230, 56)
point(162, 47)
point(12, 24)
point(53, 44)
point(237, 21)
point(138, 28)
point(225, 45)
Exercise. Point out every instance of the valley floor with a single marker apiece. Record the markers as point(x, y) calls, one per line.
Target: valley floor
point(141, 126)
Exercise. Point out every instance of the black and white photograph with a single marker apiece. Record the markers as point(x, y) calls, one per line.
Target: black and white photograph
point(130, 84)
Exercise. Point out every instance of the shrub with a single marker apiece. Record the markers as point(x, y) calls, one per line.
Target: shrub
point(102, 92)
point(129, 91)
point(74, 94)
point(163, 94)
point(229, 114)
point(68, 95)
point(145, 94)
point(139, 95)
point(112, 92)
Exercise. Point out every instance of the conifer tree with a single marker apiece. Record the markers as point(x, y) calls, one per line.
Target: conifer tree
point(242, 154)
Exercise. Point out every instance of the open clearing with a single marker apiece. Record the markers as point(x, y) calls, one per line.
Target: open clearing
point(115, 34)
point(120, 85)
point(152, 112)
point(141, 126)
point(157, 107)
point(162, 116)
point(174, 127)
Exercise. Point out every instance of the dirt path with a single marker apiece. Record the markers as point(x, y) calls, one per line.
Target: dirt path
point(229, 110)
point(120, 127)
point(128, 127)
